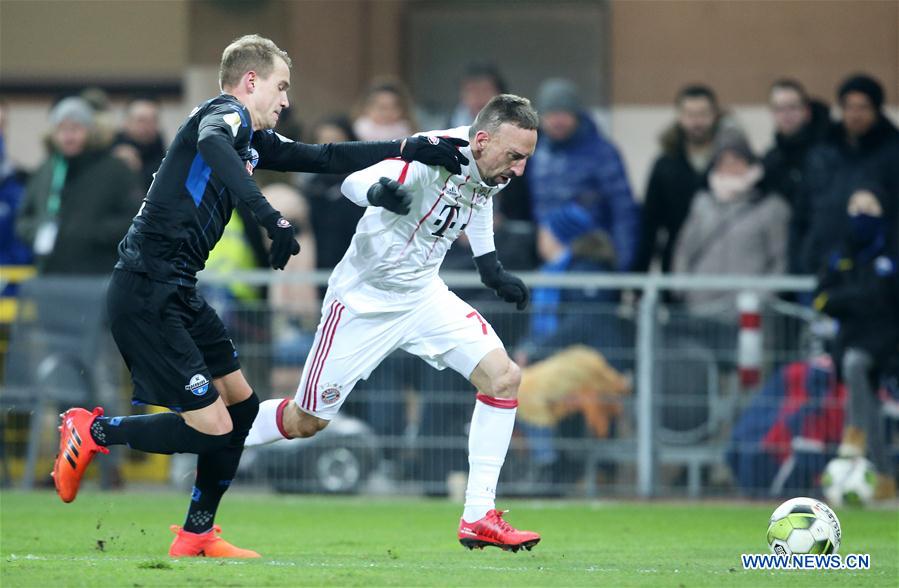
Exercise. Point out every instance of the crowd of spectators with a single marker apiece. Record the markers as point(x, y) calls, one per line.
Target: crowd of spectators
point(824, 199)
point(704, 169)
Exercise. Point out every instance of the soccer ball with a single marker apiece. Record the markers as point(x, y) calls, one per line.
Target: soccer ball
point(849, 480)
point(804, 525)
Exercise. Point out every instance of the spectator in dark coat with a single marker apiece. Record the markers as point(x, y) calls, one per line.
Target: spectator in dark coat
point(677, 174)
point(140, 143)
point(799, 123)
point(332, 215)
point(574, 163)
point(860, 152)
point(860, 288)
point(79, 202)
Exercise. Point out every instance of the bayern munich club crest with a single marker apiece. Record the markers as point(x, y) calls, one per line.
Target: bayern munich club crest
point(330, 394)
point(198, 385)
point(283, 223)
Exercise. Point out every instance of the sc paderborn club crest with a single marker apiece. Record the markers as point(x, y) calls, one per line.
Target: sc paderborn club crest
point(198, 385)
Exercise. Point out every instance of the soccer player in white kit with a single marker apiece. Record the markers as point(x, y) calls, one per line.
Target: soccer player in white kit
point(385, 294)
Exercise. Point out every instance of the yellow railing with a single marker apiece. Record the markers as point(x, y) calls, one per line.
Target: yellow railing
point(12, 274)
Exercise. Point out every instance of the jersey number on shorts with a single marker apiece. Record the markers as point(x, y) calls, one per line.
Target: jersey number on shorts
point(474, 314)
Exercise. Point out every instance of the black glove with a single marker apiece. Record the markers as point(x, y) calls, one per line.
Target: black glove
point(442, 151)
point(506, 286)
point(391, 195)
point(282, 234)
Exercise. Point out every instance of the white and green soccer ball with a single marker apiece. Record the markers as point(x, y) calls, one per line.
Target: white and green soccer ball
point(804, 525)
point(849, 481)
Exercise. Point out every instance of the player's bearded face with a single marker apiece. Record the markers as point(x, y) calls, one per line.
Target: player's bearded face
point(270, 96)
point(503, 154)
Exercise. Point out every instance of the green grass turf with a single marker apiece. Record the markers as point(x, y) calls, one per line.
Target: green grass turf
point(121, 539)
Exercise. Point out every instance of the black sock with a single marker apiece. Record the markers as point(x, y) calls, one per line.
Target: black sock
point(155, 433)
point(216, 469)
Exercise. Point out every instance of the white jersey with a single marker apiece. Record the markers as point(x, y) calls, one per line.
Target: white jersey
point(393, 260)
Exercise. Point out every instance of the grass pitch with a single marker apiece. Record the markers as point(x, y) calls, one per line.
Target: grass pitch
point(121, 539)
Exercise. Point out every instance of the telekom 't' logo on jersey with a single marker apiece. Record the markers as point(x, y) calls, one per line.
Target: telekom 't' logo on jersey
point(446, 219)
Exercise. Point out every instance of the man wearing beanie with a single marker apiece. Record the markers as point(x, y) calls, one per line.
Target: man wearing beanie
point(575, 164)
point(861, 152)
point(80, 200)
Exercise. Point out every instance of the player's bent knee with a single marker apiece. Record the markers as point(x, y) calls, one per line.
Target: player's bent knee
point(514, 376)
point(210, 420)
point(209, 427)
point(506, 384)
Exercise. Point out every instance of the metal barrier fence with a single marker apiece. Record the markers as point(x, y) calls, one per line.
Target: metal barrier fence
point(708, 404)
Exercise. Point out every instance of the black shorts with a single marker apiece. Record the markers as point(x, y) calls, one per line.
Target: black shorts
point(172, 341)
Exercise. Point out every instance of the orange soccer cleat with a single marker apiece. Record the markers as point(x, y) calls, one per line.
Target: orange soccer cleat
point(208, 544)
point(76, 450)
point(493, 530)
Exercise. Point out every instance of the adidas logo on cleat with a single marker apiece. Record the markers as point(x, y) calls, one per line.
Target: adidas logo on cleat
point(73, 445)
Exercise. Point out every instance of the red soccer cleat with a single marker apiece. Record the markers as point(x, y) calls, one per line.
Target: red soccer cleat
point(76, 450)
point(493, 530)
point(208, 544)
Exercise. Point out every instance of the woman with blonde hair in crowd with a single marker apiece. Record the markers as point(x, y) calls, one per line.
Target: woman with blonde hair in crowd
point(386, 112)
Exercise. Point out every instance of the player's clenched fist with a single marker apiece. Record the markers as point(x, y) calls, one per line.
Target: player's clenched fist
point(508, 287)
point(391, 195)
point(284, 243)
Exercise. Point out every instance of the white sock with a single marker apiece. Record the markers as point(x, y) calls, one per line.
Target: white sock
point(266, 428)
point(488, 442)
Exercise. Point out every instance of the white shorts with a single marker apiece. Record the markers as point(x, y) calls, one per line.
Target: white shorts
point(443, 330)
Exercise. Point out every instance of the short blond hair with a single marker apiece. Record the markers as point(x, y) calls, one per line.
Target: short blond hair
point(249, 53)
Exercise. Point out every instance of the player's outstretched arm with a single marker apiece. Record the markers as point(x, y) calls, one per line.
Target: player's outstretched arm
point(494, 276)
point(279, 153)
